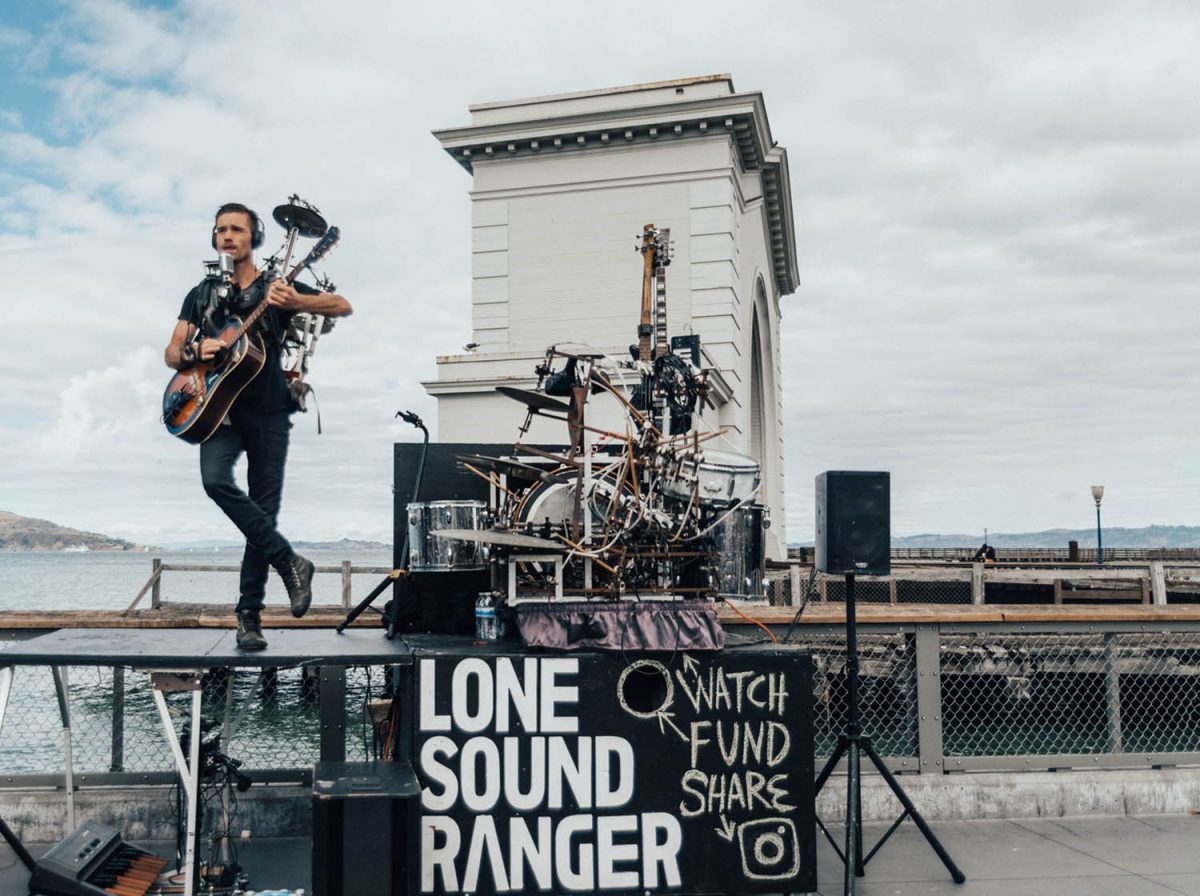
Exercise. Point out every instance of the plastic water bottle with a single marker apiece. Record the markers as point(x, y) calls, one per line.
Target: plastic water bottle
point(487, 627)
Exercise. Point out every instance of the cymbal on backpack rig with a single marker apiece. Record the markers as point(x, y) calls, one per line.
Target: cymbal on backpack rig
point(299, 214)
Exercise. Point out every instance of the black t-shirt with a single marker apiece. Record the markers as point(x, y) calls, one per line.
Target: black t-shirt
point(267, 393)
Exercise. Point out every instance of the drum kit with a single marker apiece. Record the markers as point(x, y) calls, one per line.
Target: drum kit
point(650, 510)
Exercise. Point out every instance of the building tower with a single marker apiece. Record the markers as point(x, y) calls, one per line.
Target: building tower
point(562, 186)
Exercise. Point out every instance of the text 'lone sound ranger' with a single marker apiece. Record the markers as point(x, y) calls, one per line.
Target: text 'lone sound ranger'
point(258, 419)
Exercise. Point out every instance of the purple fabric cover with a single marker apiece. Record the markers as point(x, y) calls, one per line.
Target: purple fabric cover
point(621, 625)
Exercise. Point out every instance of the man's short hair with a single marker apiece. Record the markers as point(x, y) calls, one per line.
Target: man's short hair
point(256, 226)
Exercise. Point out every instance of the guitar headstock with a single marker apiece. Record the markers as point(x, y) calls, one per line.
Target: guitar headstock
point(656, 245)
point(324, 245)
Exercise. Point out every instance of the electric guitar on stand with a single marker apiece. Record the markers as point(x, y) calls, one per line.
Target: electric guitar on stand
point(197, 399)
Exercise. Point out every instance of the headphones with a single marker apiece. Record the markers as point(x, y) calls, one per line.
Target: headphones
point(258, 232)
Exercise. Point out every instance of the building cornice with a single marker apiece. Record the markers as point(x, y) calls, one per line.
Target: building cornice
point(741, 117)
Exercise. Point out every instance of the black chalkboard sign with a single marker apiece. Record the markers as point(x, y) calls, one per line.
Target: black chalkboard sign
point(610, 773)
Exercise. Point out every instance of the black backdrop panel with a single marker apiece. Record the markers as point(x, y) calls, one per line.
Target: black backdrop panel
point(438, 602)
point(610, 773)
point(853, 531)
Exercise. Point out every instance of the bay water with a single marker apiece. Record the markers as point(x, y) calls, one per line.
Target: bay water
point(279, 727)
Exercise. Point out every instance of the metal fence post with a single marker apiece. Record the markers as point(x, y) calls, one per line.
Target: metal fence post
point(1112, 691)
point(156, 588)
point(977, 589)
point(1158, 583)
point(346, 590)
point(794, 581)
point(929, 700)
point(333, 713)
point(118, 720)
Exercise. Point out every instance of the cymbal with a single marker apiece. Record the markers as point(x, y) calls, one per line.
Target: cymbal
point(512, 469)
point(306, 220)
point(535, 401)
point(504, 537)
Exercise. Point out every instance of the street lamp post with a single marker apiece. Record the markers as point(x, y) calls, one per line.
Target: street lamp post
point(1097, 495)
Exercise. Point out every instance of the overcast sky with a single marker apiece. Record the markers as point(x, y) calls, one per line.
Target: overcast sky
point(996, 211)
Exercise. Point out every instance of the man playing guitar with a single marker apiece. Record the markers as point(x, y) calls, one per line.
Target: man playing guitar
point(258, 420)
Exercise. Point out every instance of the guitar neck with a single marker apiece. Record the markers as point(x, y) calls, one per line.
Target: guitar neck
point(646, 325)
point(660, 311)
point(327, 242)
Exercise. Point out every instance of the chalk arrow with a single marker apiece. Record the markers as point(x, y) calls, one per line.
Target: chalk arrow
point(727, 829)
point(690, 665)
point(664, 719)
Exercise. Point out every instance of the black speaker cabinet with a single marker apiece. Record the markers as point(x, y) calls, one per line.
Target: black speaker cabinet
point(360, 828)
point(854, 523)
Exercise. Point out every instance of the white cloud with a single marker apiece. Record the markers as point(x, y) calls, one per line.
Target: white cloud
point(994, 208)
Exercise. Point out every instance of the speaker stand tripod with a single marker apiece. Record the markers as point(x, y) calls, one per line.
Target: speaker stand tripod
point(853, 744)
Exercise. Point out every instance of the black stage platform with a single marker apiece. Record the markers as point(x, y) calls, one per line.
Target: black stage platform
point(622, 771)
point(199, 648)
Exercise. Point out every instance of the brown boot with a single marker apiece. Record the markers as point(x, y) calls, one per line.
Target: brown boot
point(249, 631)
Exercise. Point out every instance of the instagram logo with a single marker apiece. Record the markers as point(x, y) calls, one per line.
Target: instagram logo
point(770, 849)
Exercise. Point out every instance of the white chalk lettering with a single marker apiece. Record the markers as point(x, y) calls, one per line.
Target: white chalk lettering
point(609, 853)
point(484, 836)
point(430, 720)
point(553, 693)
point(516, 750)
point(524, 850)
point(563, 768)
point(524, 801)
point(533, 695)
point(519, 691)
point(580, 874)
point(439, 773)
point(437, 856)
point(710, 794)
point(721, 690)
point(696, 740)
point(479, 774)
point(660, 854)
point(614, 786)
point(582, 852)
point(468, 671)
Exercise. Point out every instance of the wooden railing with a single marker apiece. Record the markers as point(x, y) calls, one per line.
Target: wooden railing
point(153, 585)
point(1029, 555)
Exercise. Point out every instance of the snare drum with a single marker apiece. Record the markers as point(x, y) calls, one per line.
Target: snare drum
point(720, 478)
point(428, 553)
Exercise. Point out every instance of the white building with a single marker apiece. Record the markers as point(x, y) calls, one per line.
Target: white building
point(562, 186)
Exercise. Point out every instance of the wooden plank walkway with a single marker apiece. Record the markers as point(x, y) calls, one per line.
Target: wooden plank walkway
point(182, 615)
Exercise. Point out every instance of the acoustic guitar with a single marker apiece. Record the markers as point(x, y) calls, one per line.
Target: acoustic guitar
point(197, 399)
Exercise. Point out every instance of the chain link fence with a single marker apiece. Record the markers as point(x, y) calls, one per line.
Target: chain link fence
point(1005, 697)
point(115, 726)
point(1094, 693)
point(784, 587)
point(887, 692)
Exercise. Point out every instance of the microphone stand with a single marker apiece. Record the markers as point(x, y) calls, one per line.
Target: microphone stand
point(402, 569)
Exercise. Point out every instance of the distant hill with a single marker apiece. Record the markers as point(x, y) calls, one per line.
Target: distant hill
point(1146, 537)
point(22, 533)
point(344, 544)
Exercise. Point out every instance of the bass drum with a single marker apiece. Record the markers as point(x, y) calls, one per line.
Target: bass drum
point(554, 502)
point(428, 553)
point(740, 553)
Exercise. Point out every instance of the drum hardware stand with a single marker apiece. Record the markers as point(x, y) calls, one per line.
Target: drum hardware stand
point(402, 569)
point(852, 745)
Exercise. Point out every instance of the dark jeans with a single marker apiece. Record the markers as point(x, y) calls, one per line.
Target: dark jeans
point(265, 441)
